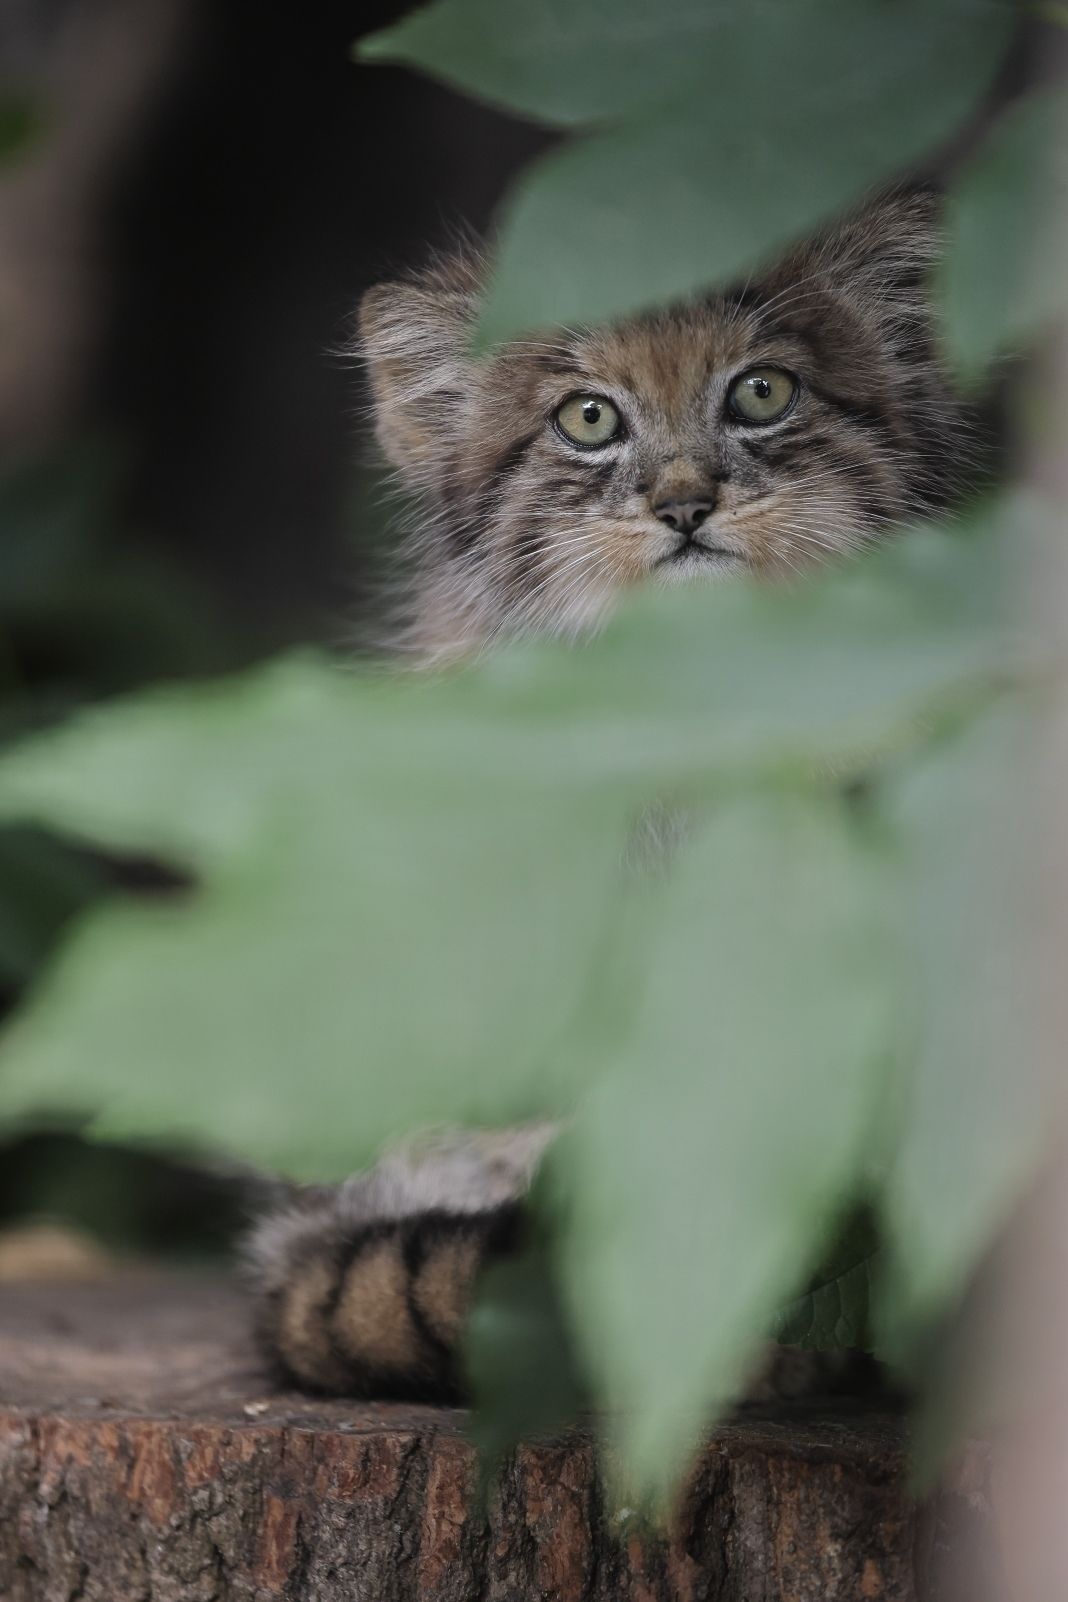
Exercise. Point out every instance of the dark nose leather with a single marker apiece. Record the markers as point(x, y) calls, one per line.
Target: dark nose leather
point(683, 515)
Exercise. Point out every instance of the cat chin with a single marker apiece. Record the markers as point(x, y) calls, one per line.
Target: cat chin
point(695, 564)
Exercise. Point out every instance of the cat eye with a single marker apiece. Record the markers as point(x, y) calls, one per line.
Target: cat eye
point(762, 395)
point(587, 420)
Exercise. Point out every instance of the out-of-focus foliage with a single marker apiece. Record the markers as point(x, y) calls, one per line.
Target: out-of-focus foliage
point(973, 811)
point(428, 873)
point(744, 1094)
point(777, 1010)
point(520, 1358)
point(431, 900)
point(721, 131)
point(1003, 277)
point(438, 961)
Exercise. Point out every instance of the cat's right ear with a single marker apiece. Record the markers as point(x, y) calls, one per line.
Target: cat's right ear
point(413, 337)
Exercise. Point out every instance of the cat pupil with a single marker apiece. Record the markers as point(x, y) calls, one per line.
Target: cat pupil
point(762, 388)
point(591, 412)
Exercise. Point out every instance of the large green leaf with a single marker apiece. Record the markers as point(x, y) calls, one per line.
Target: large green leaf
point(704, 1169)
point(520, 1360)
point(1003, 276)
point(783, 115)
point(381, 938)
point(737, 129)
point(835, 670)
point(605, 59)
point(560, 62)
point(403, 883)
point(685, 686)
point(975, 1114)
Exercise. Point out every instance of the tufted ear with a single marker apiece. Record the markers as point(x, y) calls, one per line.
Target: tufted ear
point(413, 336)
point(883, 257)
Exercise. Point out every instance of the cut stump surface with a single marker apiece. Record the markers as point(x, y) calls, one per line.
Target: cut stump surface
point(145, 1456)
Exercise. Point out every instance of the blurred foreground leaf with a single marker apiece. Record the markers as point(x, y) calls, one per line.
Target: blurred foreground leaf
point(378, 938)
point(734, 130)
point(742, 1111)
point(404, 886)
point(976, 1109)
point(520, 1359)
point(553, 60)
point(1002, 277)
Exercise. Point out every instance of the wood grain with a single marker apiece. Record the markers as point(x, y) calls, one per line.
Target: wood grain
point(145, 1455)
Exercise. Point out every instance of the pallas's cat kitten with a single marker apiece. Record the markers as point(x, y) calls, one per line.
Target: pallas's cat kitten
point(751, 431)
point(754, 431)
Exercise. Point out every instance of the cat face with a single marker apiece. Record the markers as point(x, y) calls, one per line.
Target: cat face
point(750, 432)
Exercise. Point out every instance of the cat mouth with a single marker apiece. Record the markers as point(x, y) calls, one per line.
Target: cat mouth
point(696, 552)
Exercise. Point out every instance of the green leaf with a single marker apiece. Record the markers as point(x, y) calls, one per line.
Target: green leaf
point(406, 885)
point(835, 1312)
point(834, 1315)
point(42, 885)
point(605, 59)
point(704, 1168)
point(556, 61)
point(389, 932)
point(809, 112)
point(836, 670)
point(1002, 276)
point(519, 1356)
point(977, 1111)
point(686, 686)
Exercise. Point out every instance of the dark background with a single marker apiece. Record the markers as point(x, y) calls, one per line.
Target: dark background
point(183, 484)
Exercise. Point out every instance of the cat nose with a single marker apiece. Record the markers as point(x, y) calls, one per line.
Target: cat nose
point(683, 515)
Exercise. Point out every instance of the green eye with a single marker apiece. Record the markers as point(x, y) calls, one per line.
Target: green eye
point(762, 395)
point(588, 420)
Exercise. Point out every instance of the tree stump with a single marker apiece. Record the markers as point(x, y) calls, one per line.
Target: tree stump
point(144, 1455)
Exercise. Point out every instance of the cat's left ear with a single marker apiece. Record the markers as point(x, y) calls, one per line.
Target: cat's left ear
point(883, 256)
point(413, 336)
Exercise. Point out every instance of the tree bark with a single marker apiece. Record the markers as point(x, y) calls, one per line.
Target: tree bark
point(144, 1455)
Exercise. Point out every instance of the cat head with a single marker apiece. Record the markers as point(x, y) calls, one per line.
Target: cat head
point(751, 431)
